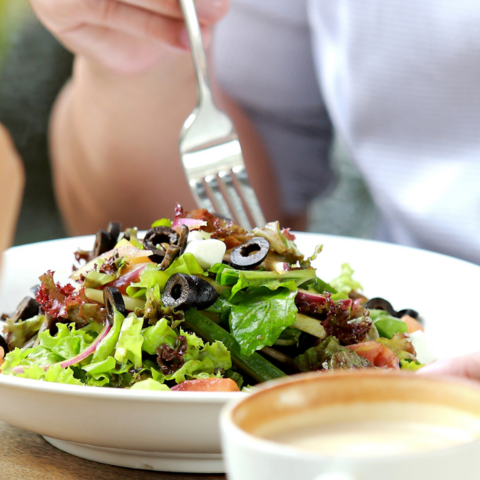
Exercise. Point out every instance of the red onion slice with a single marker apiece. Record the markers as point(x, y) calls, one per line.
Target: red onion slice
point(191, 223)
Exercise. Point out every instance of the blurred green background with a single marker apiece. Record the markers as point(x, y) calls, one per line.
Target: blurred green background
point(11, 14)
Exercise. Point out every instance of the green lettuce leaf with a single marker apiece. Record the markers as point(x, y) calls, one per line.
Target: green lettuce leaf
point(200, 361)
point(98, 380)
point(329, 355)
point(66, 344)
point(151, 276)
point(157, 335)
point(150, 384)
point(388, 326)
point(130, 341)
point(408, 364)
point(345, 283)
point(289, 337)
point(320, 286)
point(114, 266)
point(14, 358)
point(163, 222)
point(241, 279)
point(258, 316)
point(94, 279)
point(279, 242)
point(401, 345)
point(18, 333)
point(155, 311)
point(255, 366)
point(106, 347)
point(55, 374)
point(97, 368)
point(108, 373)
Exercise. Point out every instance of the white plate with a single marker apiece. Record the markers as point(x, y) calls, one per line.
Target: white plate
point(175, 431)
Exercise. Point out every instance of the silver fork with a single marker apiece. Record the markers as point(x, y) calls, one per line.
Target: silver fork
point(209, 147)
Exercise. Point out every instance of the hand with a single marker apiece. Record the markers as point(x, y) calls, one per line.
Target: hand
point(11, 184)
point(467, 366)
point(127, 36)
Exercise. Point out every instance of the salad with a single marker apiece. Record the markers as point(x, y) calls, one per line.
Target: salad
point(200, 304)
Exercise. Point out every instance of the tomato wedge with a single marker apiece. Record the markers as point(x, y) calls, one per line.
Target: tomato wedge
point(207, 385)
point(377, 354)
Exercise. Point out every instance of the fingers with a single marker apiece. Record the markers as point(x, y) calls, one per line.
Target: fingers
point(209, 11)
point(118, 52)
point(467, 366)
point(134, 21)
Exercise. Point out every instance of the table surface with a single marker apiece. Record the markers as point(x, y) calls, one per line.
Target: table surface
point(27, 455)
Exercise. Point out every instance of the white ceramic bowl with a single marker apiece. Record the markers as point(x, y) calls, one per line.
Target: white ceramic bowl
point(257, 430)
point(179, 431)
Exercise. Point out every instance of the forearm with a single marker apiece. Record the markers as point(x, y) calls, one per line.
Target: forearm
point(115, 145)
point(11, 184)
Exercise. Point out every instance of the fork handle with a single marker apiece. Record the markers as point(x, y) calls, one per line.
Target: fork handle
point(198, 49)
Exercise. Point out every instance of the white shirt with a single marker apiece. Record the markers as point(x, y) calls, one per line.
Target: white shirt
point(401, 81)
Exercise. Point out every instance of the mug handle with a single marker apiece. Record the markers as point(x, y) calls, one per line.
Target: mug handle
point(334, 476)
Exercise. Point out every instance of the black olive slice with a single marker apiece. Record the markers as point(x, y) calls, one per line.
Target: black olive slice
point(158, 256)
point(112, 299)
point(49, 324)
point(3, 344)
point(158, 236)
point(114, 231)
point(378, 303)
point(410, 312)
point(172, 253)
point(26, 309)
point(102, 244)
point(183, 238)
point(206, 294)
point(180, 292)
point(250, 254)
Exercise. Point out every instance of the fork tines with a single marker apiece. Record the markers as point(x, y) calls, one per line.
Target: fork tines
point(219, 182)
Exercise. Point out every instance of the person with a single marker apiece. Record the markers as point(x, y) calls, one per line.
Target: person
point(127, 83)
point(398, 80)
point(400, 88)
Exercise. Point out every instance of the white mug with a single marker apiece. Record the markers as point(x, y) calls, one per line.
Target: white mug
point(253, 428)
